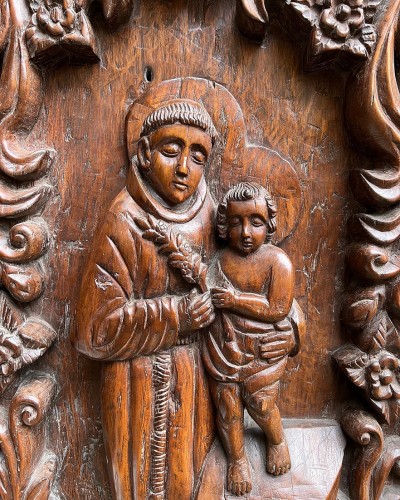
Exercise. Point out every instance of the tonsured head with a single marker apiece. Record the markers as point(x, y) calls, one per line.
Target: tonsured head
point(246, 217)
point(175, 144)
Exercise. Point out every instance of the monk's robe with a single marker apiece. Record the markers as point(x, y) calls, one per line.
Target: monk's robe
point(156, 409)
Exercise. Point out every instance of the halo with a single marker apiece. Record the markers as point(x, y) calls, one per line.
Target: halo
point(233, 159)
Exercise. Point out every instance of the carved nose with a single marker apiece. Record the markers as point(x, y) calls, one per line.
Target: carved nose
point(245, 230)
point(182, 167)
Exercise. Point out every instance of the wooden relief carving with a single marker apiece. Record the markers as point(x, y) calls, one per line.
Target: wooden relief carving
point(370, 309)
point(154, 284)
point(27, 468)
point(192, 308)
point(340, 32)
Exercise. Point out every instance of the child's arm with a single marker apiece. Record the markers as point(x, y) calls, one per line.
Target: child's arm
point(273, 308)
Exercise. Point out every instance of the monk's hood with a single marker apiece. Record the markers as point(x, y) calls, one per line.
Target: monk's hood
point(140, 192)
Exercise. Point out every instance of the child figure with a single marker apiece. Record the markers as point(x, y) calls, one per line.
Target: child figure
point(246, 350)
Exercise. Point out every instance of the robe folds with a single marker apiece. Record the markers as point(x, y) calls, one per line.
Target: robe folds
point(156, 408)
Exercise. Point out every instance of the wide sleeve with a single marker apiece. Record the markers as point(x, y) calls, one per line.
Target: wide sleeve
point(123, 310)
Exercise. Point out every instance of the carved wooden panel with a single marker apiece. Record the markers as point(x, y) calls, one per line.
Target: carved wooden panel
point(81, 83)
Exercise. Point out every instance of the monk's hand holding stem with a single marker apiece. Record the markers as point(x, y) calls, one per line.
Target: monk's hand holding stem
point(277, 345)
point(195, 311)
point(223, 298)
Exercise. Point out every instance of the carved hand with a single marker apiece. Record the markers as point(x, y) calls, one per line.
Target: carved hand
point(195, 312)
point(276, 346)
point(223, 298)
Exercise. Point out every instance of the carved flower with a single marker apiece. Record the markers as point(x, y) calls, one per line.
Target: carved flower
point(343, 20)
point(383, 375)
point(60, 29)
point(55, 19)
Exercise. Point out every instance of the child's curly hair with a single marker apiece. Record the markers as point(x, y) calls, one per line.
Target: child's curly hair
point(242, 192)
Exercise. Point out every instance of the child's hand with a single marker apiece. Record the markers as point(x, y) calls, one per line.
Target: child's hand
point(223, 298)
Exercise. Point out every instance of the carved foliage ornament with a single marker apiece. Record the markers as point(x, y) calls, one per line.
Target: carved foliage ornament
point(371, 309)
point(26, 467)
point(339, 30)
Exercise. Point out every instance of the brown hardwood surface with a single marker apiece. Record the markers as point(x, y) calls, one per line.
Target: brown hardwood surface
point(299, 115)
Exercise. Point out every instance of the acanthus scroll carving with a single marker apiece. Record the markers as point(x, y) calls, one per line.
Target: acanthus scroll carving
point(27, 468)
point(373, 456)
point(371, 309)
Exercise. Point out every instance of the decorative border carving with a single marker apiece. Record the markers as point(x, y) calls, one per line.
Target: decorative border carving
point(373, 459)
point(371, 310)
point(27, 468)
point(338, 31)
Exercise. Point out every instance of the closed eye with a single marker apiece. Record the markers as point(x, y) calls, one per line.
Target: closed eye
point(170, 150)
point(198, 156)
point(257, 221)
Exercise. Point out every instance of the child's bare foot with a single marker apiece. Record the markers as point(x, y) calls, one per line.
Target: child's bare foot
point(278, 458)
point(239, 477)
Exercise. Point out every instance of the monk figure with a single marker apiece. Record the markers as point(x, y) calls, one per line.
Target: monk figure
point(142, 313)
point(142, 318)
point(253, 283)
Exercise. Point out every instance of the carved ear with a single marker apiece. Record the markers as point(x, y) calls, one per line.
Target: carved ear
point(144, 153)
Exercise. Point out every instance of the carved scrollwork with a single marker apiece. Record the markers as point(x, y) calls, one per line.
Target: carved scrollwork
point(27, 468)
point(365, 431)
point(373, 458)
point(371, 308)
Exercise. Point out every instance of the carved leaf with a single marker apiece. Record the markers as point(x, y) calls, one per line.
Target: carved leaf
point(40, 485)
point(356, 47)
point(381, 186)
point(22, 202)
point(37, 334)
point(379, 339)
point(361, 306)
point(21, 341)
point(379, 228)
point(352, 361)
point(20, 101)
point(304, 10)
point(24, 284)
point(116, 12)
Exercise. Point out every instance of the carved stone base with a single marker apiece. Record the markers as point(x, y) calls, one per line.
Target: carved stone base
point(316, 449)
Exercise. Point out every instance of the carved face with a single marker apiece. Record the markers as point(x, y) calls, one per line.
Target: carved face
point(173, 159)
point(247, 225)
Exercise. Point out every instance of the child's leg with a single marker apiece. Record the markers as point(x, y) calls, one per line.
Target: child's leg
point(229, 408)
point(263, 410)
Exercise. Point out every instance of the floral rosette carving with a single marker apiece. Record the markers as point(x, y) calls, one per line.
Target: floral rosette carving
point(338, 27)
point(60, 30)
point(378, 375)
